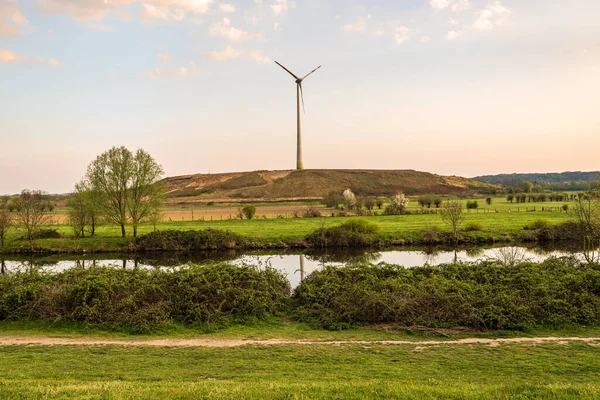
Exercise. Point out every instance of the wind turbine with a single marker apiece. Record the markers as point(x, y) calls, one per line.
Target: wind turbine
point(299, 95)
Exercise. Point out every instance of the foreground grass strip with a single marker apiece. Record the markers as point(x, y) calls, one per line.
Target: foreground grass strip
point(512, 370)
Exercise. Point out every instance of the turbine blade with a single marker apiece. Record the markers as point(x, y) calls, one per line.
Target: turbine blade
point(288, 71)
point(311, 72)
point(302, 96)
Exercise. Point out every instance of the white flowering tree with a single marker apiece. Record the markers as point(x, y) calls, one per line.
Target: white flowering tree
point(397, 204)
point(349, 199)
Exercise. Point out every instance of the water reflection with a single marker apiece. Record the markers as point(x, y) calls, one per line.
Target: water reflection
point(296, 265)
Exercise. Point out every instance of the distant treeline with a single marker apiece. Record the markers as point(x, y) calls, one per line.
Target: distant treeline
point(553, 181)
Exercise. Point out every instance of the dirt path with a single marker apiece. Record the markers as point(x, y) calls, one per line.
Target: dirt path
point(58, 341)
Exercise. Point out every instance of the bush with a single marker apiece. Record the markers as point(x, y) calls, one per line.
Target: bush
point(353, 233)
point(249, 211)
point(539, 223)
point(473, 226)
point(44, 234)
point(486, 295)
point(145, 300)
point(172, 240)
point(472, 205)
point(311, 212)
point(488, 201)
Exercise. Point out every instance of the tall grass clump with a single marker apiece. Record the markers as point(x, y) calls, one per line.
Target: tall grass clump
point(353, 233)
point(485, 295)
point(144, 300)
point(173, 240)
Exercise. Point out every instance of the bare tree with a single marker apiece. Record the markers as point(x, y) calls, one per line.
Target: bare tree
point(145, 195)
point(451, 213)
point(6, 223)
point(31, 212)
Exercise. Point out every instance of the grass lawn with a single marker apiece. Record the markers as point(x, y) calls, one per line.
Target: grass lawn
point(355, 371)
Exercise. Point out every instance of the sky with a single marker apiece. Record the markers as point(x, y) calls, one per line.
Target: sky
point(454, 87)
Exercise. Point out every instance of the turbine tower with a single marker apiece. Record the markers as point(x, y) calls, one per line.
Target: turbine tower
point(299, 95)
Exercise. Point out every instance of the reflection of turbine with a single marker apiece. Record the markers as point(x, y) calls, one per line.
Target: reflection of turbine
point(302, 271)
point(299, 95)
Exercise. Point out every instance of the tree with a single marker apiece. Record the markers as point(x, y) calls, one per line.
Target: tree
point(249, 211)
point(31, 212)
point(349, 199)
point(510, 198)
point(128, 184)
point(6, 222)
point(451, 213)
point(85, 207)
point(369, 203)
point(526, 186)
point(145, 194)
point(488, 201)
point(397, 204)
point(587, 213)
point(379, 203)
point(110, 174)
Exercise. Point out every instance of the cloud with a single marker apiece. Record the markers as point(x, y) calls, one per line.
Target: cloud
point(402, 34)
point(454, 34)
point(276, 26)
point(173, 72)
point(227, 8)
point(359, 26)
point(461, 5)
point(425, 39)
point(87, 10)
point(493, 15)
point(259, 57)
point(183, 71)
point(281, 6)
point(439, 4)
point(224, 29)
point(11, 18)
point(150, 12)
point(7, 56)
point(379, 33)
point(228, 53)
point(455, 5)
point(163, 57)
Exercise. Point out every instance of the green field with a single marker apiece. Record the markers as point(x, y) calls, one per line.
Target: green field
point(502, 221)
point(566, 370)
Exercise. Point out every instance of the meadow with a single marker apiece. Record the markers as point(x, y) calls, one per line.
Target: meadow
point(500, 222)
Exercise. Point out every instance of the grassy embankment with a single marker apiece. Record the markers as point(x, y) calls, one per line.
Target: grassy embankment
point(290, 232)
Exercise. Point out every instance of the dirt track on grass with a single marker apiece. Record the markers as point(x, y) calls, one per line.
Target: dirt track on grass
point(66, 341)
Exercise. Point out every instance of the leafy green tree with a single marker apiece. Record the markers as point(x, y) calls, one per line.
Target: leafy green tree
point(129, 185)
point(249, 211)
point(526, 187)
point(146, 189)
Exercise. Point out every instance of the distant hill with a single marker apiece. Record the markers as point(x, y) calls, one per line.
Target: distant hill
point(311, 184)
point(557, 177)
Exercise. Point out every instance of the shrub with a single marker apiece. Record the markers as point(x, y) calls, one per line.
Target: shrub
point(425, 201)
point(172, 240)
point(379, 203)
point(565, 207)
point(488, 201)
point(249, 211)
point(486, 295)
point(473, 226)
point(472, 204)
point(311, 212)
point(353, 233)
point(437, 201)
point(143, 300)
point(44, 234)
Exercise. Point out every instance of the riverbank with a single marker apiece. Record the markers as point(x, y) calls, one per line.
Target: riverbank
point(423, 229)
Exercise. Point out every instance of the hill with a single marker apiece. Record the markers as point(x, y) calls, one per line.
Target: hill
point(311, 184)
point(554, 177)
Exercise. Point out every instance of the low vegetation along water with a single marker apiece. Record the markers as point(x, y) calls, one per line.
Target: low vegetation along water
point(297, 265)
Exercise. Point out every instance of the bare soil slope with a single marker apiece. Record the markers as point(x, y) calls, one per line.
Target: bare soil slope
point(311, 184)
